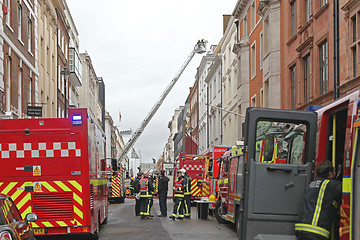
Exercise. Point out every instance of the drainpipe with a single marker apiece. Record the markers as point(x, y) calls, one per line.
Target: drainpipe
point(221, 104)
point(336, 50)
point(57, 72)
point(207, 117)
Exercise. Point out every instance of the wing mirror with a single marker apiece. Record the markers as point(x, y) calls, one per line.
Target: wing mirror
point(31, 217)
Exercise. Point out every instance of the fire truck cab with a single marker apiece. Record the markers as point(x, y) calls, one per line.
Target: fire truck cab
point(262, 196)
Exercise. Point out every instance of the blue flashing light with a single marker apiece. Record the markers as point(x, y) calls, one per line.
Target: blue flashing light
point(313, 108)
point(77, 120)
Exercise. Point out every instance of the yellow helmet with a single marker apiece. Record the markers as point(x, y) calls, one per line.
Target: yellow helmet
point(211, 198)
point(132, 178)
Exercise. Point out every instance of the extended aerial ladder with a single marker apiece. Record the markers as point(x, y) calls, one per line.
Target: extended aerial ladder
point(200, 48)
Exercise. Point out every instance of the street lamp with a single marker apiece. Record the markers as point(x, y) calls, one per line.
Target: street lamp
point(66, 73)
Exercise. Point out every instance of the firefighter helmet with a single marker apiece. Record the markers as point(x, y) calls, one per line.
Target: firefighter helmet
point(183, 171)
point(211, 198)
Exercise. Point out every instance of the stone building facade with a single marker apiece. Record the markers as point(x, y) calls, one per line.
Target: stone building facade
point(19, 73)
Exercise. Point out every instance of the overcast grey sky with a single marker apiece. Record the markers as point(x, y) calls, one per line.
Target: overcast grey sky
point(138, 47)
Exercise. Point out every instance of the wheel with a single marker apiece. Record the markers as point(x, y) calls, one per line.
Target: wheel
point(218, 212)
point(95, 235)
point(122, 200)
point(238, 221)
point(105, 221)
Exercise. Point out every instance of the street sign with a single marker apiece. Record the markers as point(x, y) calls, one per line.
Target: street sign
point(34, 111)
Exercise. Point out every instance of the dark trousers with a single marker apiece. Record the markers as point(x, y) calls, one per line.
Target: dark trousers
point(178, 207)
point(162, 203)
point(187, 205)
point(151, 202)
point(137, 207)
point(145, 206)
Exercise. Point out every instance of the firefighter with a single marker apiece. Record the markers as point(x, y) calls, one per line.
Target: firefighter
point(146, 189)
point(162, 193)
point(187, 195)
point(151, 178)
point(132, 187)
point(137, 192)
point(179, 188)
point(319, 213)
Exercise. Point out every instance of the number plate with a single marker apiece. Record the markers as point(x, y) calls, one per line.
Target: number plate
point(39, 230)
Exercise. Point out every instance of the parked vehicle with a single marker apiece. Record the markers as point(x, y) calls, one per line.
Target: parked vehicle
point(56, 168)
point(195, 168)
point(12, 225)
point(116, 185)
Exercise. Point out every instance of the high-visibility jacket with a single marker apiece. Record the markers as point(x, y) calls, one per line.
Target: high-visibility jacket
point(320, 207)
point(188, 185)
point(180, 186)
point(146, 187)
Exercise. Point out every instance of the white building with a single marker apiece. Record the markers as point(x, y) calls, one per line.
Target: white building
point(89, 91)
point(214, 80)
point(231, 120)
point(168, 153)
point(75, 68)
point(202, 88)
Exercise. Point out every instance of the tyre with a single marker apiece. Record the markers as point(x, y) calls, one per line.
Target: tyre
point(238, 221)
point(122, 200)
point(95, 235)
point(105, 221)
point(218, 212)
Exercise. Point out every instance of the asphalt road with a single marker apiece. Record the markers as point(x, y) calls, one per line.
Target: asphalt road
point(122, 224)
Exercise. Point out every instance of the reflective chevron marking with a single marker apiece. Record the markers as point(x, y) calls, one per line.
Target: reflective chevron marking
point(22, 198)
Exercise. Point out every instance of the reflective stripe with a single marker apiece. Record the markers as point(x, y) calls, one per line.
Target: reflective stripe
point(319, 203)
point(312, 229)
point(143, 194)
point(188, 186)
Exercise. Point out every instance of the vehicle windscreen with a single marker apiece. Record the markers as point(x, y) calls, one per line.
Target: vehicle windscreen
point(280, 142)
point(2, 217)
point(8, 212)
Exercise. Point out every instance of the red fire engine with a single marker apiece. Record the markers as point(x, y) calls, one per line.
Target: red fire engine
point(338, 141)
point(212, 169)
point(56, 169)
point(116, 185)
point(195, 168)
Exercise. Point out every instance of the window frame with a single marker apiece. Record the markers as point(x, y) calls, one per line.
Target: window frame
point(324, 66)
point(29, 42)
point(307, 76)
point(19, 21)
point(293, 18)
point(253, 60)
point(293, 86)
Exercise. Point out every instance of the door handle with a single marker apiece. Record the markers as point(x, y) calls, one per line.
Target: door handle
point(271, 169)
point(290, 184)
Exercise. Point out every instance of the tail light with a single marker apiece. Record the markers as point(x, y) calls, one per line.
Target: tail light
point(5, 236)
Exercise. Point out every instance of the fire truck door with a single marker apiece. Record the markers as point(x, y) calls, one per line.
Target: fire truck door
point(355, 213)
point(233, 168)
point(273, 190)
